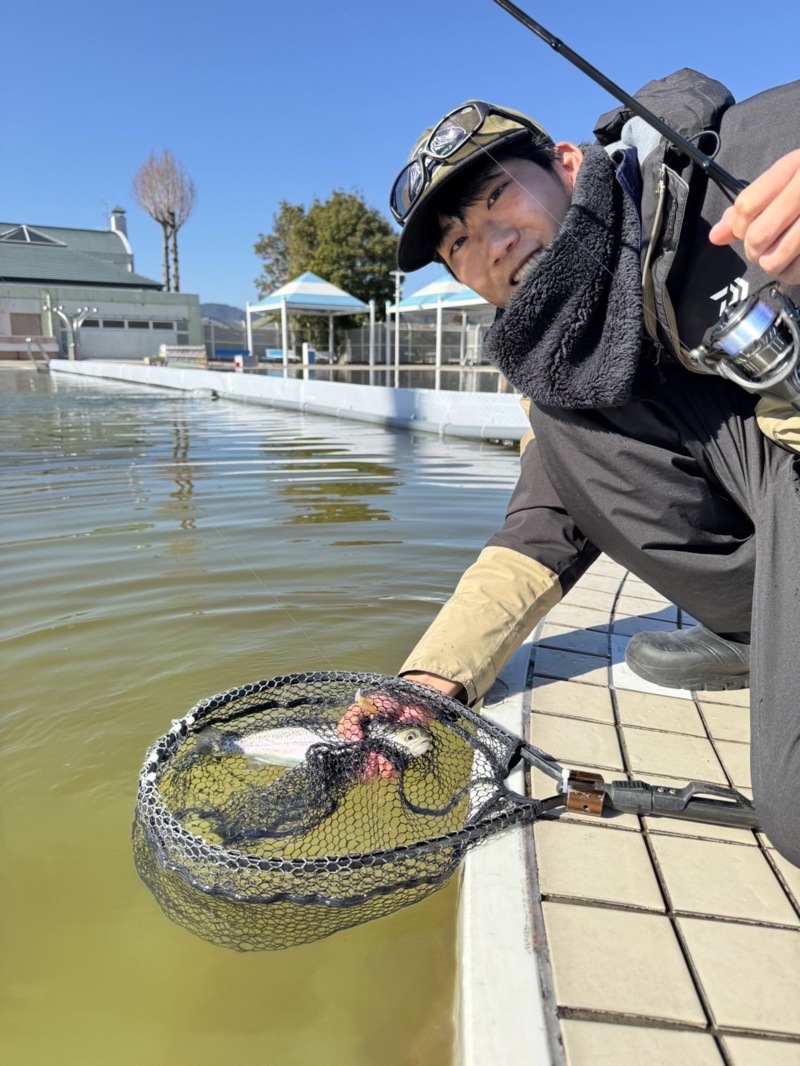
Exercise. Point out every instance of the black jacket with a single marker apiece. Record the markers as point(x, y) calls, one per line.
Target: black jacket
point(653, 483)
point(665, 483)
point(690, 276)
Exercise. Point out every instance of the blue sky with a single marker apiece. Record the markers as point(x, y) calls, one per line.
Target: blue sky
point(264, 101)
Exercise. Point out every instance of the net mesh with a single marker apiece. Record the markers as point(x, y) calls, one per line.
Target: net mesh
point(283, 811)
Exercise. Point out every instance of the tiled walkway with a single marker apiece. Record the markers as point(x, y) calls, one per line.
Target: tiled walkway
point(668, 942)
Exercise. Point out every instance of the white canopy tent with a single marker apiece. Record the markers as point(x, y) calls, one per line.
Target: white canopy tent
point(309, 295)
point(444, 294)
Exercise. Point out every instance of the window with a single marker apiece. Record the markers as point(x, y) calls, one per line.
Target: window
point(91, 323)
point(26, 235)
point(113, 323)
point(165, 325)
point(23, 325)
point(138, 325)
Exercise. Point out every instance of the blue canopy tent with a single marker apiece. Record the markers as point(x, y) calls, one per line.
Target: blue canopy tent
point(444, 294)
point(308, 295)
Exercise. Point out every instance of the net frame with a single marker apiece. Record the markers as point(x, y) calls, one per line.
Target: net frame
point(334, 883)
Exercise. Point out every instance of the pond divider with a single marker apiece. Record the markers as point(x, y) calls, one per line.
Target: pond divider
point(470, 415)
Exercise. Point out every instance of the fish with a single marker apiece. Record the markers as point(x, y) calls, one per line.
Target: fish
point(289, 745)
point(282, 746)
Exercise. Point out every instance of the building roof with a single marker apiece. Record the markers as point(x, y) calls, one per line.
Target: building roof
point(57, 255)
point(309, 294)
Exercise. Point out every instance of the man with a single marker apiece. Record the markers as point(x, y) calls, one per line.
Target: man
point(607, 265)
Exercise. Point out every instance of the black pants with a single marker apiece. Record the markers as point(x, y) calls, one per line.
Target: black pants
point(764, 478)
point(682, 488)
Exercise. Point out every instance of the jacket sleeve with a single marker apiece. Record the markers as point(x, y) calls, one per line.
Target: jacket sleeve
point(519, 576)
point(780, 421)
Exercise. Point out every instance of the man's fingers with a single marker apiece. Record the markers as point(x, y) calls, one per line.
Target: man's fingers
point(776, 216)
point(722, 231)
point(753, 200)
point(353, 723)
point(766, 218)
point(775, 248)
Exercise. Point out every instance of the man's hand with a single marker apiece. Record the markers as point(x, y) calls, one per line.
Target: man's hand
point(354, 725)
point(766, 217)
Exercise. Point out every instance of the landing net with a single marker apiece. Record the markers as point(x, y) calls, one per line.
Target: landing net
point(283, 811)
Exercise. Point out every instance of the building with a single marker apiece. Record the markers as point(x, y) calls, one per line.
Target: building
point(89, 275)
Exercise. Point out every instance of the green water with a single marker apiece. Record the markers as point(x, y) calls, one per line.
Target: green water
point(156, 549)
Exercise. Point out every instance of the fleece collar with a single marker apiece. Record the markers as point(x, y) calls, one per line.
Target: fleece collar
point(571, 335)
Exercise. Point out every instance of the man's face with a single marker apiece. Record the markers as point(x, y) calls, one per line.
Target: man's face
point(517, 216)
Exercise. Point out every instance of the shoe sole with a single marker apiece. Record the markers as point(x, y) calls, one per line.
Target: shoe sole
point(720, 683)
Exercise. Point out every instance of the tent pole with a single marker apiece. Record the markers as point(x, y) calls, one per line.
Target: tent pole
point(396, 346)
point(249, 326)
point(372, 333)
point(330, 336)
point(438, 376)
point(285, 335)
point(388, 325)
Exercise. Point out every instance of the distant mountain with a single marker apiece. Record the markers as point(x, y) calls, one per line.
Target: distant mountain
point(224, 313)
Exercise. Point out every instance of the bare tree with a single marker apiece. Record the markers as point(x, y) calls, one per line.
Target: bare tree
point(165, 191)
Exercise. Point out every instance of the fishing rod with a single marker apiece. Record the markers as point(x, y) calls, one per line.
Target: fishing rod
point(756, 343)
point(714, 170)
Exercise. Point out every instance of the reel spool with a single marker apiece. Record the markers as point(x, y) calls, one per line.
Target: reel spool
point(756, 344)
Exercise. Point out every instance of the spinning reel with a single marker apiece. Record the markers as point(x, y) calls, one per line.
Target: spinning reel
point(756, 344)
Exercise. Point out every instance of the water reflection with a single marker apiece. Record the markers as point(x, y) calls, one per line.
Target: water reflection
point(450, 378)
point(180, 472)
point(315, 544)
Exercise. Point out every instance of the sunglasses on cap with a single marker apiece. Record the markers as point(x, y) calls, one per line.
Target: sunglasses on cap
point(444, 140)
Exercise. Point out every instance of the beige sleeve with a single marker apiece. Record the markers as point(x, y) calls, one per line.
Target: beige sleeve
point(528, 436)
point(496, 604)
point(779, 421)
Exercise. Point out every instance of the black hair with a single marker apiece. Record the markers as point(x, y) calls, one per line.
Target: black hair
point(469, 185)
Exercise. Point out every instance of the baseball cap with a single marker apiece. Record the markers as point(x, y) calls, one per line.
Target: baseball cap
point(461, 138)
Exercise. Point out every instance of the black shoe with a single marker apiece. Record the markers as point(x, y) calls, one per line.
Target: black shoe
point(694, 659)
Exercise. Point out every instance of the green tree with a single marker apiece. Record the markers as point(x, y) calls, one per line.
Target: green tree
point(341, 239)
point(279, 249)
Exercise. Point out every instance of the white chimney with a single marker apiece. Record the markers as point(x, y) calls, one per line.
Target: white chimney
point(119, 223)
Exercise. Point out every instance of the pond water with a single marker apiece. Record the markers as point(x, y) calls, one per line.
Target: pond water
point(159, 548)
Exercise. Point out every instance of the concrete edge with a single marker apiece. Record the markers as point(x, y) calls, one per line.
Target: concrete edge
point(468, 415)
point(500, 1010)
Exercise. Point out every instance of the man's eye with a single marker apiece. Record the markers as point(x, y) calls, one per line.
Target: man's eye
point(495, 193)
point(457, 243)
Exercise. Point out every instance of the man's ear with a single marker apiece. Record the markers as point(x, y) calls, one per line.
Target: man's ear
point(568, 161)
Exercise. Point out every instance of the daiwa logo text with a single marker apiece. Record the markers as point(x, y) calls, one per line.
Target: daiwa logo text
point(732, 294)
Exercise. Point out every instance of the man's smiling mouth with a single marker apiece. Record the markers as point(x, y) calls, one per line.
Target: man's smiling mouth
point(526, 267)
